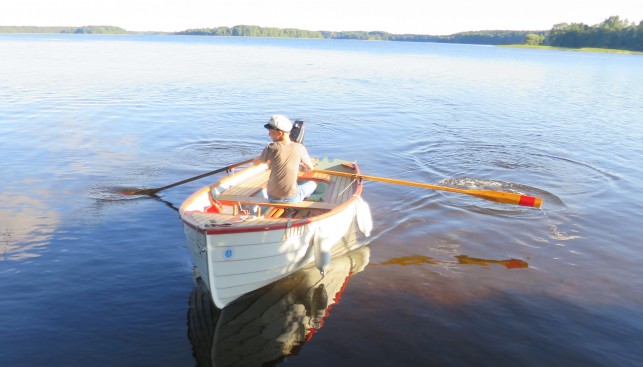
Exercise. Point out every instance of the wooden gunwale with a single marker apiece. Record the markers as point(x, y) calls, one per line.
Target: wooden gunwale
point(253, 200)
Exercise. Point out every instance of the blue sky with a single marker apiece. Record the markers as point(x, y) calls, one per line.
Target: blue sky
point(399, 16)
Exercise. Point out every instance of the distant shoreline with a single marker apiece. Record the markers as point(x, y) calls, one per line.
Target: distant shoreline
point(560, 38)
point(580, 49)
point(493, 37)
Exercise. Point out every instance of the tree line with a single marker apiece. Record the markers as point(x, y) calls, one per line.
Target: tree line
point(252, 31)
point(613, 33)
point(90, 29)
point(481, 37)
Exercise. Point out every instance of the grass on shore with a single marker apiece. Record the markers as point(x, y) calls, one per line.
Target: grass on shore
point(582, 49)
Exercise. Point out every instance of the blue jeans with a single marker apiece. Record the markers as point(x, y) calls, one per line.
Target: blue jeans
point(305, 190)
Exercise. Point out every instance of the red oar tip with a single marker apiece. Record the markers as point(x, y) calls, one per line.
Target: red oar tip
point(530, 201)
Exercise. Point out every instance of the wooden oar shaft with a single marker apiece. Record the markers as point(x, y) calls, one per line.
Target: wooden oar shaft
point(497, 196)
point(205, 174)
point(156, 190)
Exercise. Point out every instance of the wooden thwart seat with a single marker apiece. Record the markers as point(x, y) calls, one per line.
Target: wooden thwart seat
point(253, 200)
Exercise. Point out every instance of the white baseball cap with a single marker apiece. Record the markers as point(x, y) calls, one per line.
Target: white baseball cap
point(279, 122)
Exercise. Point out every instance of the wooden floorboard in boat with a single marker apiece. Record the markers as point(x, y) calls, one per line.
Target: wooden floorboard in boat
point(249, 187)
point(349, 192)
point(340, 192)
point(332, 197)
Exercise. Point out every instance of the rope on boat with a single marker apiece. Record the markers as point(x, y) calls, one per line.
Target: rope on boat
point(347, 187)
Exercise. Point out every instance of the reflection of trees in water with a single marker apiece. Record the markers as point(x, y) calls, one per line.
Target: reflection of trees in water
point(273, 322)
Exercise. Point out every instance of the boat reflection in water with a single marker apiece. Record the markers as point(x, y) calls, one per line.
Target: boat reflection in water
point(265, 326)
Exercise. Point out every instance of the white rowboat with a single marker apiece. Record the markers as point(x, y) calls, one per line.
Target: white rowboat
point(240, 242)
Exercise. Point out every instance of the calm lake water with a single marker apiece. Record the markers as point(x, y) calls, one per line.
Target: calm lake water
point(91, 278)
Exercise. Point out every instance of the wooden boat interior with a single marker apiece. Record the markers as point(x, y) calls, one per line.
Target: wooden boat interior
point(247, 196)
point(237, 200)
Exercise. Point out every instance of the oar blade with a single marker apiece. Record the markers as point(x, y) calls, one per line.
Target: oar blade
point(506, 197)
point(148, 192)
point(530, 201)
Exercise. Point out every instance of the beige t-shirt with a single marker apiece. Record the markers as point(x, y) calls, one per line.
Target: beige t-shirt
point(284, 159)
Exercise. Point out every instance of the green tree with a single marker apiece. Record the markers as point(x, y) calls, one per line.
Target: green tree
point(614, 23)
point(534, 39)
point(637, 37)
point(613, 33)
point(569, 35)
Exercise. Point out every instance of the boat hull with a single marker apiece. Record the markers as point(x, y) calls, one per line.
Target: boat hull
point(235, 254)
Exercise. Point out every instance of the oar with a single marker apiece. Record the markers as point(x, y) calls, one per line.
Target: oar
point(152, 192)
point(497, 196)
